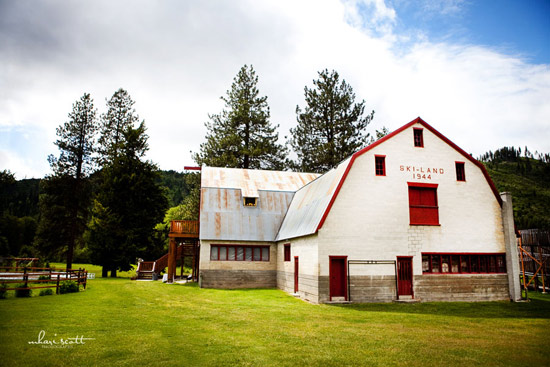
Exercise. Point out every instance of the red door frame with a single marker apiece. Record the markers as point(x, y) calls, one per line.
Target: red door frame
point(344, 277)
point(410, 259)
point(296, 268)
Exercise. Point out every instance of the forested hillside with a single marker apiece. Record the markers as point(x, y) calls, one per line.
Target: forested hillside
point(527, 176)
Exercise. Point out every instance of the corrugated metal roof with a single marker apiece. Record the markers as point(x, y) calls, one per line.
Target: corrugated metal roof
point(310, 203)
point(251, 181)
point(223, 215)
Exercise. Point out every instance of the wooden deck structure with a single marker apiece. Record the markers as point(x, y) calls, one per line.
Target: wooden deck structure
point(184, 242)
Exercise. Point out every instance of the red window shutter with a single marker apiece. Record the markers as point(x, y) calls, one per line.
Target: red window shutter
point(423, 209)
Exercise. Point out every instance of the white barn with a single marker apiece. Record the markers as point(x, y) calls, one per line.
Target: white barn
point(411, 216)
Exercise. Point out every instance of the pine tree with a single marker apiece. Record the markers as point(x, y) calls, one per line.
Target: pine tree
point(241, 136)
point(119, 117)
point(331, 127)
point(130, 200)
point(66, 195)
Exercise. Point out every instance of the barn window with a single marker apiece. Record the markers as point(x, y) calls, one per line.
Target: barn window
point(239, 253)
point(380, 165)
point(287, 252)
point(449, 263)
point(250, 201)
point(418, 138)
point(460, 174)
point(423, 209)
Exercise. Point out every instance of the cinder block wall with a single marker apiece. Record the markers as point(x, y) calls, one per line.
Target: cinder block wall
point(237, 274)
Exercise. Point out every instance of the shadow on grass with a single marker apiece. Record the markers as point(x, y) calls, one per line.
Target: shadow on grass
point(537, 308)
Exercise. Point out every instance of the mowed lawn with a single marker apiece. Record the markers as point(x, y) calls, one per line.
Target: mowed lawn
point(136, 323)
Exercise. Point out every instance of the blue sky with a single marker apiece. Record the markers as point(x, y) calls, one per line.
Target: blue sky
point(463, 66)
point(511, 26)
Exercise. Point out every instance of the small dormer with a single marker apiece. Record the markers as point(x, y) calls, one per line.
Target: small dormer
point(250, 201)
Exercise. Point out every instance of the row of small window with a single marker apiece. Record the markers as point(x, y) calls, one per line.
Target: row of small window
point(380, 168)
point(463, 263)
point(239, 253)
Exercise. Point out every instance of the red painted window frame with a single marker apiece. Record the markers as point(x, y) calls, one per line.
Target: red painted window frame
point(226, 247)
point(418, 137)
point(409, 258)
point(470, 257)
point(429, 213)
point(460, 171)
point(380, 165)
point(345, 274)
point(287, 252)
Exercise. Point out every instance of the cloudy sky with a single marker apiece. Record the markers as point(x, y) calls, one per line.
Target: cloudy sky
point(478, 71)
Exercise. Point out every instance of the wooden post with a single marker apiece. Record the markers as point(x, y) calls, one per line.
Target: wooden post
point(522, 264)
point(25, 276)
point(182, 260)
point(172, 261)
point(542, 269)
point(85, 279)
point(57, 287)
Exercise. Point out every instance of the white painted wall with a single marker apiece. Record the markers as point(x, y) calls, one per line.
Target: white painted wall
point(370, 217)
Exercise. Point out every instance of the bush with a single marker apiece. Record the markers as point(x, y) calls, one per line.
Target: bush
point(46, 292)
point(44, 277)
point(3, 291)
point(68, 286)
point(22, 292)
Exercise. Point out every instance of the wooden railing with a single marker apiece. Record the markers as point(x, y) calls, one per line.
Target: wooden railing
point(27, 277)
point(184, 227)
point(161, 263)
point(146, 266)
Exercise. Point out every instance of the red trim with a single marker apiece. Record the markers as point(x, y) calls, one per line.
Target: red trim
point(459, 266)
point(219, 246)
point(410, 258)
point(285, 247)
point(296, 270)
point(345, 258)
point(383, 165)
point(422, 184)
point(418, 120)
point(421, 137)
point(464, 253)
point(191, 168)
point(463, 171)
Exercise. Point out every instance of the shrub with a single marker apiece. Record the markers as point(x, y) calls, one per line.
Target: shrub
point(3, 291)
point(22, 292)
point(46, 292)
point(44, 277)
point(68, 286)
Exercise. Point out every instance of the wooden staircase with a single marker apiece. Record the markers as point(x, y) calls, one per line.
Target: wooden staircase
point(146, 269)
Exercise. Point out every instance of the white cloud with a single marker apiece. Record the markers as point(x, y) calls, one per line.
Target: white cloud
point(177, 58)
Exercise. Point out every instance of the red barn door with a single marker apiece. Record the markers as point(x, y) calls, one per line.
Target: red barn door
point(337, 275)
point(404, 276)
point(296, 274)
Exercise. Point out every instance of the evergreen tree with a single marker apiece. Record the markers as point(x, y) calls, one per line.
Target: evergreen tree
point(129, 203)
point(119, 117)
point(331, 127)
point(241, 136)
point(66, 195)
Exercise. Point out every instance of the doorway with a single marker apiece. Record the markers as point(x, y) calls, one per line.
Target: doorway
point(338, 277)
point(296, 274)
point(405, 276)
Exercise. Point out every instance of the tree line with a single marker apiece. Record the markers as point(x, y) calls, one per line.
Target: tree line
point(104, 196)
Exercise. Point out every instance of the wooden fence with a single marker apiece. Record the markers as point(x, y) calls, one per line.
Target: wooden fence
point(52, 278)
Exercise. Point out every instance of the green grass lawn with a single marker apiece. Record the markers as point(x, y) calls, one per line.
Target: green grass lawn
point(153, 324)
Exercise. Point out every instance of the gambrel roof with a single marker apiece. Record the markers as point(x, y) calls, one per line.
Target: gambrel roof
point(312, 203)
point(290, 204)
